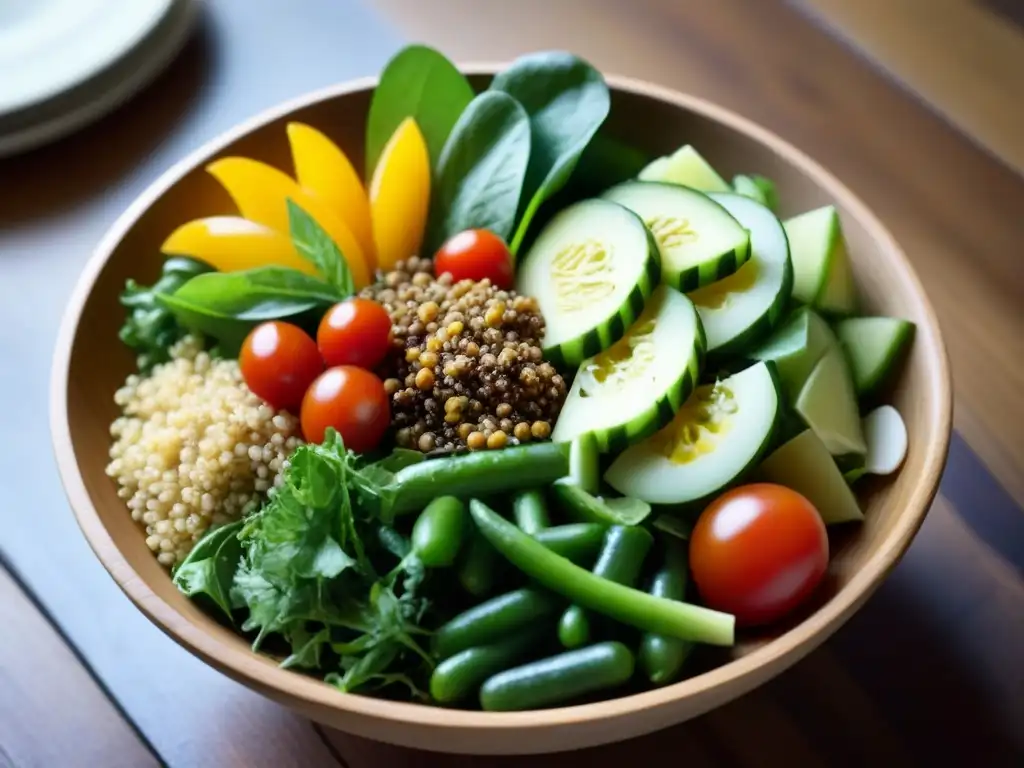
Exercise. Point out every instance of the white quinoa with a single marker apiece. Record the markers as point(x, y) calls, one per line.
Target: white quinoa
point(194, 448)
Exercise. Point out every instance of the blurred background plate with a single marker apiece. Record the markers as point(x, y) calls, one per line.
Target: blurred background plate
point(64, 63)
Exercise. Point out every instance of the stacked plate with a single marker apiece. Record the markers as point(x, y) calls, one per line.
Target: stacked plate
point(64, 63)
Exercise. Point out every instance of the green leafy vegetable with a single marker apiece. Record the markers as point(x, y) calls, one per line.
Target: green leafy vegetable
point(422, 84)
point(150, 328)
point(226, 305)
point(481, 170)
point(210, 566)
point(318, 247)
point(567, 100)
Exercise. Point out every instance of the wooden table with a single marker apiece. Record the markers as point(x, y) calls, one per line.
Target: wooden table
point(932, 667)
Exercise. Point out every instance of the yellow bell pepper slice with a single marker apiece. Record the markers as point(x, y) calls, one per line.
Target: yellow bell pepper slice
point(400, 194)
point(260, 191)
point(231, 243)
point(323, 169)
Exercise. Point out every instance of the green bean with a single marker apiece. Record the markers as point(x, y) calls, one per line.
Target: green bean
point(530, 511)
point(439, 531)
point(662, 658)
point(586, 508)
point(479, 567)
point(625, 604)
point(558, 678)
point(494, 619)
point(473, 474)
point(622, 557)
point(460, 675)
point(579, 542)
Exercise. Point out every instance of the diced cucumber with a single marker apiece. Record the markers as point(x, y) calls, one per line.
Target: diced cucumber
point(757, 188)
point(634, 387)
point(874, 346)
point(591, 270)
point(886, 437)
point(828, 405)
point(685, 166)
point(719, 435)
point(821, 268)
point(583, 463)
point(805, 465)
point(699, 241)
point(748, 304)
point(796, 346)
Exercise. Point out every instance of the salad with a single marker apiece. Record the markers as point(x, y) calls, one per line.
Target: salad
point(512, 416)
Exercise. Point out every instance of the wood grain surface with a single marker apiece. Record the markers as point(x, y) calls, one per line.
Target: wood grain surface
point(928, 671)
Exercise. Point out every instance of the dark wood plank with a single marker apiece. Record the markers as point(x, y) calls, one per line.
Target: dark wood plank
point(52, 712)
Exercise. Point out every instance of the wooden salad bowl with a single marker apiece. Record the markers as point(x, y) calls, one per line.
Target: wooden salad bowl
point(90, 363)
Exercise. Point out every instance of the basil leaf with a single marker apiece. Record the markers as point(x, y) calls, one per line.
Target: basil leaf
point(567, 101)
point(319, 248)
point(422, 84)
point(482, 169)
point(226, 305)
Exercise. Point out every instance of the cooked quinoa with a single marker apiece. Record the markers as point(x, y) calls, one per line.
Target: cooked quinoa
point(194, 448)
point(466, 369)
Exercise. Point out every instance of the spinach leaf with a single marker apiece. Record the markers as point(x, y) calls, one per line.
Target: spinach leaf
point(150, 328)
point(481, 171)
point(422, 84)
point(209, 569)
point(318, 247)
point(567, 101)
point(226, 305)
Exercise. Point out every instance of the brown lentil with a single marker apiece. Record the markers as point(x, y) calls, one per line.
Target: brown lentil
point(466, 364)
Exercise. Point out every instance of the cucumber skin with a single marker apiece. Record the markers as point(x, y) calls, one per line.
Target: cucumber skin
point(867, 386)
point(493, 620)
point(558, 678)
point(570, 354)
point(662, 411)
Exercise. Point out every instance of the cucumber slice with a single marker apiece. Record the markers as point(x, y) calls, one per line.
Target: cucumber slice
point(828, 405)
point(874, 346)
point(805, 465)
point(748, 304)
point(634, 387)
point(886, 437)
point(583, 463)
point(796, 347)
point(821, 268)
point(757, 188)
point(720, 434)
point(698, 240)
point(685, 166)
point(591, 270)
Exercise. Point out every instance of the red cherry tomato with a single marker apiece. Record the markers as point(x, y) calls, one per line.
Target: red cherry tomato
point(474, 255)
point(758, 551)
point(350, 399)
point(354, 332)
point(278, 361)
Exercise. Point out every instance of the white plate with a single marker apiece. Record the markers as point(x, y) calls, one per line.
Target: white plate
point(64, 63)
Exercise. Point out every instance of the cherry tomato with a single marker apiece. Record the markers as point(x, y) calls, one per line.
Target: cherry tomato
point(354, 332)
point(474, 255)
point(278, 361)
point(758, 551)
point(350, 399)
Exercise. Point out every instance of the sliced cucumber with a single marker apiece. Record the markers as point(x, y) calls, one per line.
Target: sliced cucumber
point(828, 405)
point(699, 241)
point(591, 270)
point(685, 166)
point(757, 188)
point(805, 465)
point(886, 437)
point(634, 387)
point(719, 435)
point(748, 304)
point(821, 268)
point(874, 346)
point(796, 347)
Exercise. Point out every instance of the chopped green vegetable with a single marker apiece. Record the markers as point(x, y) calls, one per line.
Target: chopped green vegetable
point(318, 247)
point(210, 567)
point(150, 328)
point(660, 657)
point(530, 511)
point(587, 508)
